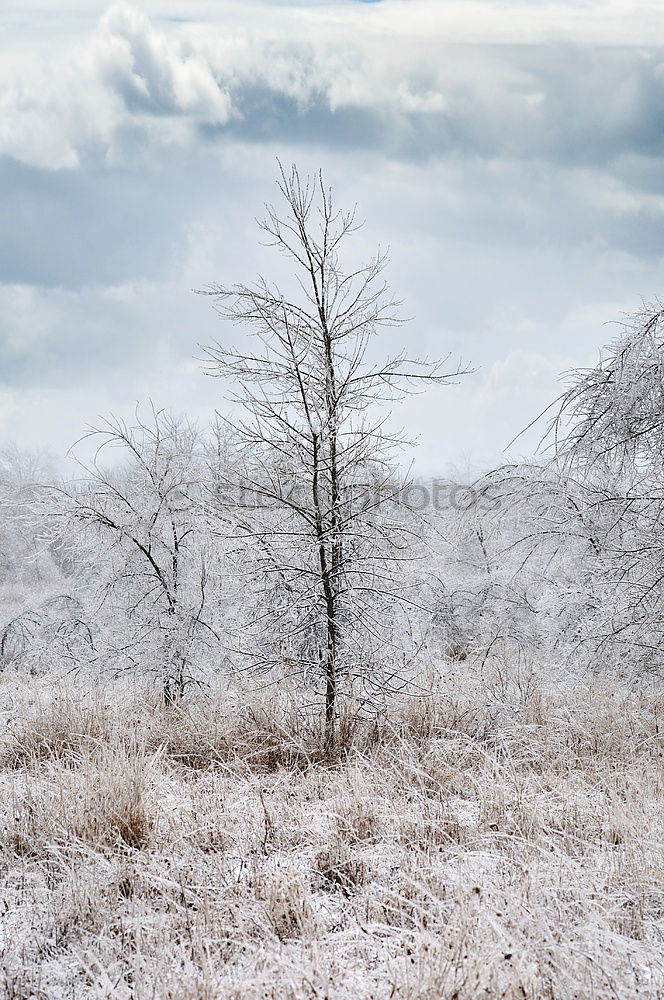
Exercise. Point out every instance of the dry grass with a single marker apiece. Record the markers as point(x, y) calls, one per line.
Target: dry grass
point(480, 844)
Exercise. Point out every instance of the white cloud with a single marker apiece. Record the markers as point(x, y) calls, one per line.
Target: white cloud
point(80, 98)
point(520, 186)
point(396, 62)
point(154, 73)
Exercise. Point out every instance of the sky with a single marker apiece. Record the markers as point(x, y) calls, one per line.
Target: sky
point(510, 155)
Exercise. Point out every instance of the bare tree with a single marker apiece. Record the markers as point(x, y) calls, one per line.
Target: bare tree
point(23, 553)
point(151, 548)
point(314, 494)
point(528, 553)
point(577, 539)
point(41, 618)
point(612, 415)
point(610, 437)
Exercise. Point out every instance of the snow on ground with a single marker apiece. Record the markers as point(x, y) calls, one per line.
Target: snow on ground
point(213, 850)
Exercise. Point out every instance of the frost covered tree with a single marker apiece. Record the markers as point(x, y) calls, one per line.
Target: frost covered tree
point(565, 557)
point(23, 554)
point(610, 440)
point(150, 548)
point(577, 539)
point(40, 615)
point(522, 564)
point(312, 500)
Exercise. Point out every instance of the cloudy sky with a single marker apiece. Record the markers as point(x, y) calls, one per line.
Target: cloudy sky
point(510, 154)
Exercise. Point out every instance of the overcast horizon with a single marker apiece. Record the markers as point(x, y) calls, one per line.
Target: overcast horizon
point(510, 159)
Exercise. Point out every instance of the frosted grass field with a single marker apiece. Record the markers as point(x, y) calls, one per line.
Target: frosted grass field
point(500, 838)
